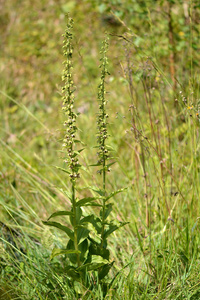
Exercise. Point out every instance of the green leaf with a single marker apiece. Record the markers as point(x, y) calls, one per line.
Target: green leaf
point(96, 249)
point(83, 201)
point(72, 257)
point(112, 228)
point(110, 148)
point(104, 270)
point(65, 193)
point(84, 169)
point(62, 169)
point(71, 272)
point(88, 219)
point(82, 234)
point(61, 213)
point(97, 224)
point(114, 193)
point(68, 231)
point(78, 141)
point(96, 262)
point(57, 251)
point(93, 204)
point(108, 165)
point(98, 191)
point(78, 216)
point(78, 287)
point(79, 151)
point(108, 210)
point(96, 165)
point(83, 249)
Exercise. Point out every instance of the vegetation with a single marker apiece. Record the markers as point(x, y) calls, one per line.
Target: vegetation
point(99, 209)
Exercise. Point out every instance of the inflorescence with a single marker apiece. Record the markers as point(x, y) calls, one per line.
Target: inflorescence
point(68, 104)
point(103, 116)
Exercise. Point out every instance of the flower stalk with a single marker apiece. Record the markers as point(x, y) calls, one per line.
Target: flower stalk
point(102, 123)
point(69, 141)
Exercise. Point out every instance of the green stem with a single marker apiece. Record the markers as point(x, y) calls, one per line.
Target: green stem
point(75, 225)
point(103, 134)
point(104, 201)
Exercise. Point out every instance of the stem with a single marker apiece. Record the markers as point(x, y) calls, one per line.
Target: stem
point(102, 126)
point(75, 225)
point(172, 45)
point(104, 202)
point(104, 173)
point(104, 180)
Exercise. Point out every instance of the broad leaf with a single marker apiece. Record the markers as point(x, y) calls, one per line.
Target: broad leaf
point(82, 234)
point(71, 272)
point(96, 222)
point(112, 228)
point(96, 262)
point(61, 213)
point(82, 247)
point(86, 220)
point(68, 231)
point(83, 201)
point(96, 249)
point(72, 257)
point(78, 216)
point(104, 270)
point(57, 251)
point(108, 210)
